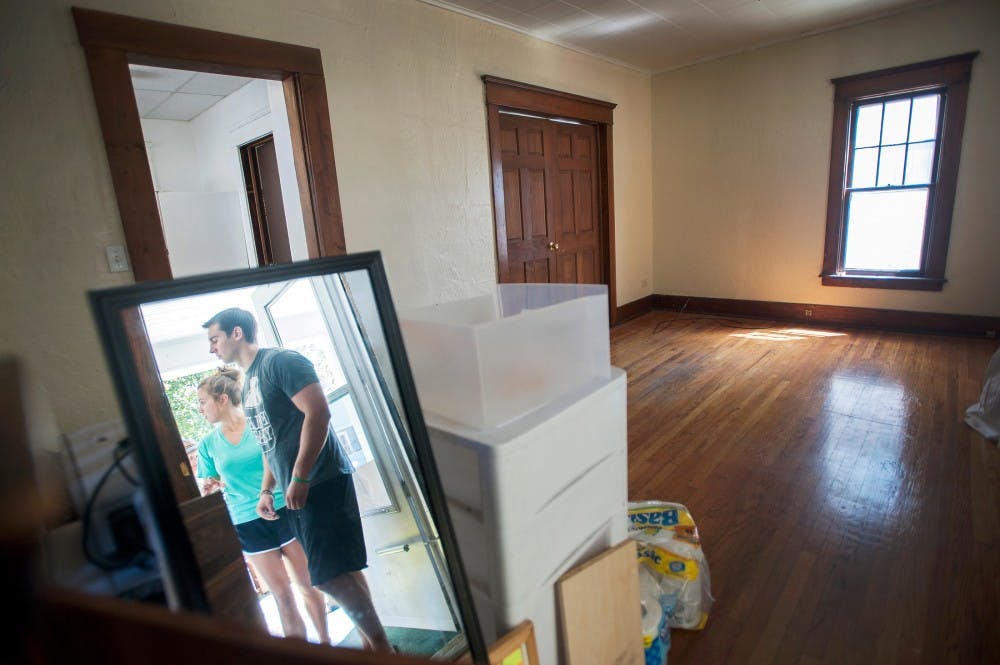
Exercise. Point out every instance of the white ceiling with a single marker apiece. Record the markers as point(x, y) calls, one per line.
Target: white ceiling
point(175, 94)
point(657, 35)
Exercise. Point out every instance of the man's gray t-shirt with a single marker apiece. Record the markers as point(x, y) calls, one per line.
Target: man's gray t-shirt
point(274, 377)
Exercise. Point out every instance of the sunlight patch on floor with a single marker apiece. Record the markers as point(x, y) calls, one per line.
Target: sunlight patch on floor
point(787, 334)
point(337, 621)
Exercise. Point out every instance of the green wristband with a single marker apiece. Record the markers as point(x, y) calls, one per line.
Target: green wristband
point(296, 479)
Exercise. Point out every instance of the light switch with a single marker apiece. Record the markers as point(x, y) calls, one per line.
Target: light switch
point(117, 258)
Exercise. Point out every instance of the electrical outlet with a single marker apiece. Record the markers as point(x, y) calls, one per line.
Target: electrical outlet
point(808, 312)
point(117, 258)
point(992, 334)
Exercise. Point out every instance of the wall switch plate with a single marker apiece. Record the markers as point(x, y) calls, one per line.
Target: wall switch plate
point(117, 258)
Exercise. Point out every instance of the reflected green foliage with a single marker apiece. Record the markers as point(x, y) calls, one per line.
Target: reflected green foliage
point(182, 393)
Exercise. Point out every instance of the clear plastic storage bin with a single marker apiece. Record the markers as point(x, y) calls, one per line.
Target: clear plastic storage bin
point(487, 360)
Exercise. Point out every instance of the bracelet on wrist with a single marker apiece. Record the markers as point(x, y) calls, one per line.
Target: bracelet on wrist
point(297, 479)
point(268, 492)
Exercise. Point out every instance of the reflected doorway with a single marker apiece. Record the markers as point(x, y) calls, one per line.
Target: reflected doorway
point(223, 170)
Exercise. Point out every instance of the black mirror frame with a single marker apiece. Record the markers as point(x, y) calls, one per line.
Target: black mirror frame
point(107, 306)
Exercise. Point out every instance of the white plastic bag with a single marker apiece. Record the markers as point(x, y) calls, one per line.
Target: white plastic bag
point(670, 549)
point(984, 415)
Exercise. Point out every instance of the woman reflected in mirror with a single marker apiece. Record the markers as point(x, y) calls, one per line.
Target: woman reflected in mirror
point(230, 458)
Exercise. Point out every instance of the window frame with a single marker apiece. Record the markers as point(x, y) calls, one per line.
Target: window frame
point(948, 76)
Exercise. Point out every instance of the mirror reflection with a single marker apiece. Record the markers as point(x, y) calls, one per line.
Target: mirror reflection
point(287, 404)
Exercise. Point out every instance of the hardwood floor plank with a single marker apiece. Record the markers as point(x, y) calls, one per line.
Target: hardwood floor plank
point(847, 512)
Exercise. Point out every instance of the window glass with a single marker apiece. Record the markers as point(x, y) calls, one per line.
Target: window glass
point(919, 163)
point(890, 166)
point(301, 328)
point(372, 493)
point(885, 230)
point(869, 127)
point(865, 164)
point(923, 125)
point(896, 122)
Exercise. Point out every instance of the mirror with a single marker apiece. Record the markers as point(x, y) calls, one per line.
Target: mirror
point(336, 314)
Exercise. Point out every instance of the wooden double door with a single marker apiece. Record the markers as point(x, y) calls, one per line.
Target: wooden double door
point(551, 222)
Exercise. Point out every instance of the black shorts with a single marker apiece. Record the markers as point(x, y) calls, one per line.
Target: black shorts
point(329, 528)
point(261, 535)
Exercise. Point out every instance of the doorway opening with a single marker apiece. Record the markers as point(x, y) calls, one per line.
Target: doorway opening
point(551, 161)
point(223, 169)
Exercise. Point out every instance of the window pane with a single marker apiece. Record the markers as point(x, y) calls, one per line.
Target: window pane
point(919, 161)
point(896, 123)
point(865, 163)
point(885, 230)
point(368, 481)
point(890, 166)
point(923, 125)
point(869, 122)
point(296, 314)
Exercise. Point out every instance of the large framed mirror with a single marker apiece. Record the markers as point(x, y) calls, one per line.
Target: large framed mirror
point(336, 316)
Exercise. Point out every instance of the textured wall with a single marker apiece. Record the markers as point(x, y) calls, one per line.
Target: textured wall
point(742, 154)
point(409, 128)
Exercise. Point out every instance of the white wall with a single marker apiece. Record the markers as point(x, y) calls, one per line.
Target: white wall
point(742, 156)
point(409, 132)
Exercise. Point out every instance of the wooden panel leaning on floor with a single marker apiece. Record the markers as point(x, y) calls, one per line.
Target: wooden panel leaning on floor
point(848, 513)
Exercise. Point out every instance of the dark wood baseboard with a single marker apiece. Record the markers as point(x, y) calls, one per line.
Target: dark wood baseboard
point(854, 317)
point(633, 309)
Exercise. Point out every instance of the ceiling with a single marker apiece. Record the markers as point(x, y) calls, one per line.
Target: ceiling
point(175, 94)
point(657, 35)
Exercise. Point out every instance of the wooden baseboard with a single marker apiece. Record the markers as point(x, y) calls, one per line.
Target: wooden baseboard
point(856, 317)
point(633, 309)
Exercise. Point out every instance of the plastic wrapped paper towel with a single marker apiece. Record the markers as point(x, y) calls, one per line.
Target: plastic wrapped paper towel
point(655, 629)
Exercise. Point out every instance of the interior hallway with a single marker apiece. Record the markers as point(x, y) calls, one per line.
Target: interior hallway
point(847, 512)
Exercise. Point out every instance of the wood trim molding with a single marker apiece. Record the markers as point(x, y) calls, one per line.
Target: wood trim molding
point(635, 309)
point(111, 42)
point(837, 315)
point(160, 42)
point(546, 101)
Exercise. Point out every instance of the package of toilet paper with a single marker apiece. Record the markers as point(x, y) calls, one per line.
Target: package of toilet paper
point(670, 549)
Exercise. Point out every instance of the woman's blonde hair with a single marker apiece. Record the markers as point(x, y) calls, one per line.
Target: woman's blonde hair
point(224, 381)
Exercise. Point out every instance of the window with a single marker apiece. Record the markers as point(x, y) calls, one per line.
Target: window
point(897, 137)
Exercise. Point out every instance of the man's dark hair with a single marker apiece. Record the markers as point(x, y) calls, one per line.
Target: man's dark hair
point(228, 319)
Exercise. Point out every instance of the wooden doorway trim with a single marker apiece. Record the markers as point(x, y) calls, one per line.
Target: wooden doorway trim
point(523, 97)
point(111, 42)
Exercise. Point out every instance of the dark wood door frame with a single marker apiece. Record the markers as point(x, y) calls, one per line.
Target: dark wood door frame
point(111, 42)
point(504, 94)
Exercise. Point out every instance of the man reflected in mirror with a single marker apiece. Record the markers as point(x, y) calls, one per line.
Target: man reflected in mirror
point(287, 410)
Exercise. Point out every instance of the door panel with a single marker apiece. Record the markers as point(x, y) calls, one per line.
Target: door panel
point(529, 197)
point(551, 207)
point(579, 230)
point(512, 194)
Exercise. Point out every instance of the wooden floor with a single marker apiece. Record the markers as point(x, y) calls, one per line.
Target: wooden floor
point(848, 513)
